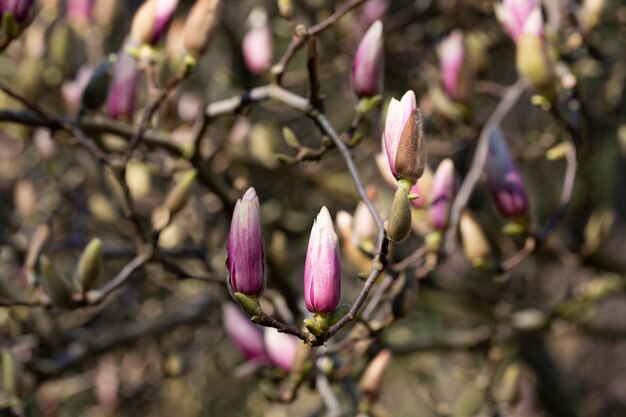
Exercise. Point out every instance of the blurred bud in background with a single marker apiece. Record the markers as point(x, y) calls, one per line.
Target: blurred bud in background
point(368, 62)
point(281, 348)
point(504, 180)
point(151, 21)
point(475, 245)
point(457, 72)
point(513, 14)
point(442, 194)
point(246, 336)
point(200, 26)
point(534, 62)
point(257, 44)
point(122, 97)
point(372, 11)
point(590, 14)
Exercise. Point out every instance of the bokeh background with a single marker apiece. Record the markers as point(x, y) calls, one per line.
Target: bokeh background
point(545, 338)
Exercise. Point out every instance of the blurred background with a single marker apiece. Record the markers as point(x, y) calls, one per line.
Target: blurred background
point(541, 337)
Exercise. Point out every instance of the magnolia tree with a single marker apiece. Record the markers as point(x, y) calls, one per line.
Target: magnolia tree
point(362, 208)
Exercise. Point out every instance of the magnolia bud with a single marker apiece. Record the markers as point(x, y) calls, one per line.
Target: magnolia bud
point(457, 72)
point(399, 224)
point(245, 335)
point(96, 88)
point(56, 287)
point(404, 138)
point(371, 11)
point(14, 17)
point(475, 245)
point(512, 14)
point(367, 65)
point(88, 266)
point(504, 180)
point(591, 13)
point(151, 20)
point(178, 196)
point(365, 229)
point(322, 272)
point(257, 45)
point(444, 187)
point(200, 25)
point(122, 95)
point(281, 348)
point(245, 246)
point(372, 378)
point(534, 62)
point(285, 7)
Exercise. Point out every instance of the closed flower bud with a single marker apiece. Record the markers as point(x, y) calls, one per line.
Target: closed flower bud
point(365, 229)
point(512, 14)
point(151, 20)
point(96, 88)
point(322, 273)
point(475, 245)
point(404, 139)
point(55, 286)
point(371, 11)
point(257, 45)
point(372, 378)
point(245, 335)
point(122, 94)
point(534, 62)
point(504, 180)
point(367, 65)
point(200, 25)
point(80, 11)
point(88, 266)
point(178, 196)
point(245, 246)
point(281, 348)
point(399, 224)
point(442, 193)
point(20, 9)
point(591, 13)
point(457, 72)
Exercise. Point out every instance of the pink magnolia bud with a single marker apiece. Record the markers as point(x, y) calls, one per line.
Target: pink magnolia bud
point(365, 228)
point(534, 60)
point(151, 20)
point(257, 45)
point(281, 348)
point(245, 246)
point(367, 65)
point(442, 193)
point(20, 9)
point(452, 60)
point(512, 14)
point(122, 94)
point(80, 10)
point(373, 10)
point(322, 274)
point(404, 139)
point(245, 335)
point(504, 180)
point(200, 25)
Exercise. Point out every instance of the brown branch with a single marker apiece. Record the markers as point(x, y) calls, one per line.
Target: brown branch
point(279, 69)
point(101, 340)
